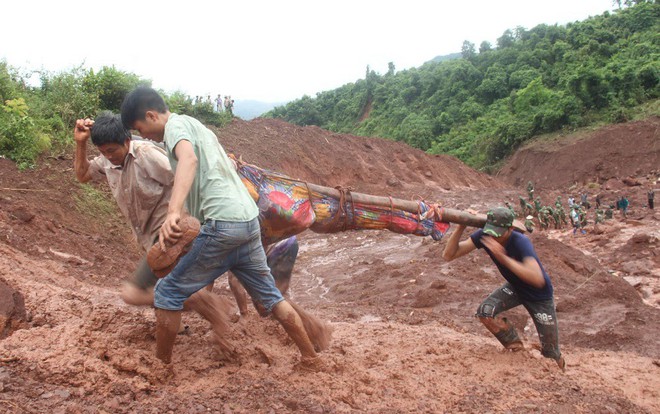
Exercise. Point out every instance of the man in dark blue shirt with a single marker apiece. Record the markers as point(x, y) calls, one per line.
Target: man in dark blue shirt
point(527, 283)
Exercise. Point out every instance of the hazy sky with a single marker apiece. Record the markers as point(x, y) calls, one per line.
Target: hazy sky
point(265, 50)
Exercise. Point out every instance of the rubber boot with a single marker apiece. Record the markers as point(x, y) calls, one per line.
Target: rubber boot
point(167, 326)
point(504, 332)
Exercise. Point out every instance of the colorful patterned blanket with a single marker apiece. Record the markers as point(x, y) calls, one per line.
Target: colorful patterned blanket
point(287, 207)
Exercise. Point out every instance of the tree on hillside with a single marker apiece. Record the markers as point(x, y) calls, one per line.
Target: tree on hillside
point(482, 106)
point(390, 69)
point(506, 40)
point(468, 50)
point(112, 85)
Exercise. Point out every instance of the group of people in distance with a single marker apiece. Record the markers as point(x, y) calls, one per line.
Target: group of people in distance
point(534, 212)
point(155, 187)
point(219, 104)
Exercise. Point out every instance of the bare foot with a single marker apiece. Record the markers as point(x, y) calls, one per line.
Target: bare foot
point(561, 363)
point(226, 351)
point(515, 346)
point(316, 364)
point(234, 318)
point(184, 329)
point(161, 373)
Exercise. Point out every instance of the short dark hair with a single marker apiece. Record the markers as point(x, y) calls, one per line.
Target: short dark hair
point(108, 129)
point(138, 102)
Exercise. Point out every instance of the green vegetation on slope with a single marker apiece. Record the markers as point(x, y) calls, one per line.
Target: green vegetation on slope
point(36, 119)
point(483, 106)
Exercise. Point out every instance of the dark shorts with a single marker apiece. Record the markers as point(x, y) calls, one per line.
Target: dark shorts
point(282, 257)
point(542, 312)
point(143, 277)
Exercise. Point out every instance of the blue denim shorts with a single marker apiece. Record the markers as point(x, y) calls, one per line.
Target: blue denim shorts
point(219, 247)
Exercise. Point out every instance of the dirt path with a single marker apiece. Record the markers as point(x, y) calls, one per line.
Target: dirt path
point(93, 354)
point(405, 338)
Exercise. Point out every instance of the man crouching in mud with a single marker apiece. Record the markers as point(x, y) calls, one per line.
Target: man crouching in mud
point(527, 284)
point(141, 179)
point(230, 239)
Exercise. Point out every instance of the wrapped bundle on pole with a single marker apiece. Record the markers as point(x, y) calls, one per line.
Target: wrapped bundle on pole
point(289, 206)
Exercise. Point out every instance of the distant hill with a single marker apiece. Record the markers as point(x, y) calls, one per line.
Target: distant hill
point(481, 106)
point(249, 109)
point(444, 58)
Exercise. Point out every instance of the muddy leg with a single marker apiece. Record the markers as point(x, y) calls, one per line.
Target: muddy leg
point(293, 325)
point(239, 294)
point(215, 310)
point(501, 299)
point(136, 296)
point(167, 325)
point(504, 332)
point(318, 332)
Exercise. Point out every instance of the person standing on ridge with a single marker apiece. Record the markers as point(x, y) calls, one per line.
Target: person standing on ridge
point(650, 196)
point(218, 103)
point(624, 206)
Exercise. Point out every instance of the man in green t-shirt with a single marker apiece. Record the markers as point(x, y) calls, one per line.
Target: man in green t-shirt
point(230, 238)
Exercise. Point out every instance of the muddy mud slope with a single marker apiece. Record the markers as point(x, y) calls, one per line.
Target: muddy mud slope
point(614, 153)
point(405, 338)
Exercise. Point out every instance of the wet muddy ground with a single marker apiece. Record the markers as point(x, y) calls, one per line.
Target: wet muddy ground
point(405, 339)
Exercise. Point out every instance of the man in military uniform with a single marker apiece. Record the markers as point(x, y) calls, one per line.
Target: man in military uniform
point(529, 224)
point(527, 282)
point(609, 212)
point(599, 218)
point(537, 205)
point(543, 218)
point(508, 205)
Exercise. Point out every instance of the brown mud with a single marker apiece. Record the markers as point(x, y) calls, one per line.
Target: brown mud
point(405, 338)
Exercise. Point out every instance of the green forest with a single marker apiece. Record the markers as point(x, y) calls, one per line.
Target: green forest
point(39, 120)
point(483, 105)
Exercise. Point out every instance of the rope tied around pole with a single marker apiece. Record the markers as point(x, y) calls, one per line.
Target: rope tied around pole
point(341, 209)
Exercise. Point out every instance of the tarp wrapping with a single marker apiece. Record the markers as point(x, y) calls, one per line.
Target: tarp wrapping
point(287, 207)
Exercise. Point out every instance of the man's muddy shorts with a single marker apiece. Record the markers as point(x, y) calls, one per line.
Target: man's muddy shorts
point(143, 277)
point(219, 247)
point(542, 312)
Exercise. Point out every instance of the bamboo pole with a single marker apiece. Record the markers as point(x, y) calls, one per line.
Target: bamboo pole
point(449, 215)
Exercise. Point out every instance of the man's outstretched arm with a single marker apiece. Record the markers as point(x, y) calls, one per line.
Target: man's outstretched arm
point(456, 248)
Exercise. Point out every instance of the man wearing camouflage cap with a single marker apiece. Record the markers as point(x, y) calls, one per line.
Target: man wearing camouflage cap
point(527, 282)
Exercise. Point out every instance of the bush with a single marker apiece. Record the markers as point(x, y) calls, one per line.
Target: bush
point(20, 140)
